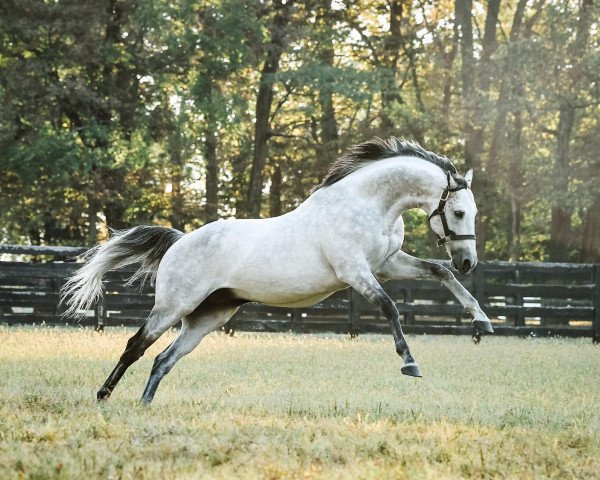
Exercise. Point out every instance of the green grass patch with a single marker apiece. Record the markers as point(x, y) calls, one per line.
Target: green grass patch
point(300, 406)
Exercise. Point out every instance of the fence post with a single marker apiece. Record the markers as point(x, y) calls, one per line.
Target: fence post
point(409, 316)
point(296, 319)
point(518, 318)
point(596, 303)
point(100, 314)
point(478, 286)
point(56, 286)
point(353, 313)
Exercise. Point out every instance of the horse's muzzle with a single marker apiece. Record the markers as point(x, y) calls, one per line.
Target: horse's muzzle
point(463, 263)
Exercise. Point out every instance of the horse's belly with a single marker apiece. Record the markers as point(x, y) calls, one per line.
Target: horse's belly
point(299, 284)
point(286, 300)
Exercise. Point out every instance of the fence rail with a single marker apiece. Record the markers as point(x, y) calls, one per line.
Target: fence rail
point(542, 299)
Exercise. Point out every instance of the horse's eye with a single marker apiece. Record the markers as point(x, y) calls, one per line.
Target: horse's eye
point(459, 214)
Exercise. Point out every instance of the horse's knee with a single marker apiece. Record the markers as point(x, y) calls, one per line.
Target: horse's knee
point(440, 272)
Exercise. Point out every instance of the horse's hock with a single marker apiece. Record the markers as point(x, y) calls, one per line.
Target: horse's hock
point(525, 299)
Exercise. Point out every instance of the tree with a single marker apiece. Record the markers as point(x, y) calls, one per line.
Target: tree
point(181, 112)
point(279, 37)
point(560, 230)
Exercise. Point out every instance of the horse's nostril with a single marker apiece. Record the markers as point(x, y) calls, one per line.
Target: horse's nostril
point(466, 265)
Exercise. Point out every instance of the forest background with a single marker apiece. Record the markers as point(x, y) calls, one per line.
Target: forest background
point(181, 112)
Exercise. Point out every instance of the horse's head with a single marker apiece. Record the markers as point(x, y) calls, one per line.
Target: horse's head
point(454, 222)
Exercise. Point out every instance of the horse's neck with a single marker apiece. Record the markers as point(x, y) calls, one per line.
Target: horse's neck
point(399, 184)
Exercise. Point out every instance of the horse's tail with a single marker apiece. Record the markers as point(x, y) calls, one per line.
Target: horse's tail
point(145, 245)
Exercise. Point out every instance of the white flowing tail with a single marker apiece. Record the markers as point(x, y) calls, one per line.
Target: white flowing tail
point(145, 245)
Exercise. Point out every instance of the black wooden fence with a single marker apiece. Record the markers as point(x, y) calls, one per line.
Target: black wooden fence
point(539, 299)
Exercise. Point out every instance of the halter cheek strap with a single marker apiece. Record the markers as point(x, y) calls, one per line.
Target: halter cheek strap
point(449, 234)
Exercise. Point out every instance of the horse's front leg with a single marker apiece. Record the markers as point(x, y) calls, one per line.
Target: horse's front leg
point(401, 266)
point(363, 281)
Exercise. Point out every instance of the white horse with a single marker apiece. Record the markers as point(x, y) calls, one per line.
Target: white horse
point(348, 232)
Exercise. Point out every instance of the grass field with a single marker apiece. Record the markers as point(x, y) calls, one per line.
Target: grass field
point(291, 406)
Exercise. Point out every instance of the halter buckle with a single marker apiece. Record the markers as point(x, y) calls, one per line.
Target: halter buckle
point(443, 241)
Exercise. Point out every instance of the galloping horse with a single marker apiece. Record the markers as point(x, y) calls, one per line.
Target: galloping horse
point(348, 232)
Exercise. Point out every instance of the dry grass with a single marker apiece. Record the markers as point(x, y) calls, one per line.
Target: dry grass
point(287, 406)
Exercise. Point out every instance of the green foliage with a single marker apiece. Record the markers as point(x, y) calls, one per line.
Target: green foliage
point(109, 111)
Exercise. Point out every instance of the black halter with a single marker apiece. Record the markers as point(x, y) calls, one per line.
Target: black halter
point(449, 235)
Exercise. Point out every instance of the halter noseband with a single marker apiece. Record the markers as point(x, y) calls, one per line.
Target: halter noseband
point(449, 235)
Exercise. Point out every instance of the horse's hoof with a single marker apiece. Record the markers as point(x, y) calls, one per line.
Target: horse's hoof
point(103, 394)
point(483, 326)
point(411, 369)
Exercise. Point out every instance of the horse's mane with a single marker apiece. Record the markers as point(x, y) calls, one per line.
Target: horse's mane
point(364, 153)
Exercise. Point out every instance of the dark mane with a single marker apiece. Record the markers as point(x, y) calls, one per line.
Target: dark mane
point(364, 153)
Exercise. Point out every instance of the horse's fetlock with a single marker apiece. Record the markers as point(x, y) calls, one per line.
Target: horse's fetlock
point(401, 349)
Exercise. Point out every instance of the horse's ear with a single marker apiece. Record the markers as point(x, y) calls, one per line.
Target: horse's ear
point(469, 177)
point(451, 182)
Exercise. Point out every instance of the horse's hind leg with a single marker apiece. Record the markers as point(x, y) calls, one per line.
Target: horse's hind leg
point(159, 321)
point(193, 329)
point(365, 283)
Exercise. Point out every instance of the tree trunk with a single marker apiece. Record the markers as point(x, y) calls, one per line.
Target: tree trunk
point(560, 227)
point(474, 94)
point(515, 182)
point(465, 27)
point(473, 135)
point(510, 87)
point(239, 166)
point(514, 232)
point(327, 151)
point(115, 206)
point(390, 93)
point(176, 206)
point(473, 132)
point(329, 126)
point(264, 100)
point(475, 89)
point(489, 43)
point(560, 234)
point(449, 75)
point(212, 176)
point(416, 129)
point(114, 212)
point(113, 179)
point(503, 102)
point(93, 208)
point(590, 243)
point(211, 209)
point(275, 192)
